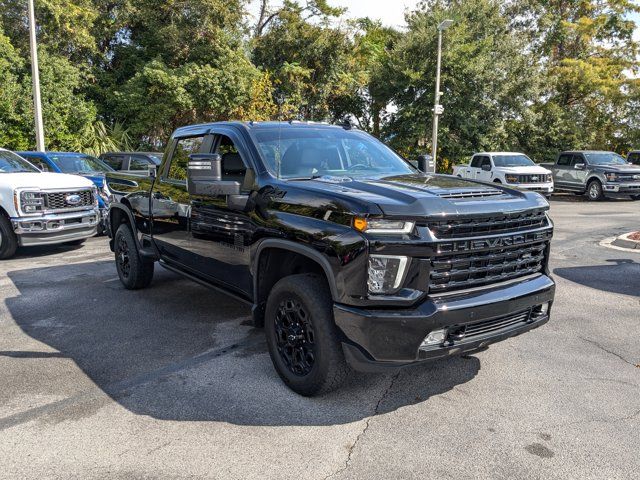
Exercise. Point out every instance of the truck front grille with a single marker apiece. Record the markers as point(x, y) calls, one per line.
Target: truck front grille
point(496, 325)
point(542, 178)
point(58, 201)
point(467, 269)
point(474, 227)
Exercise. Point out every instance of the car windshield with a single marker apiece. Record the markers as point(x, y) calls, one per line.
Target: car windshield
point(155, 158)
point(79, 163)
point(314, 152)
point(512, 161)
point(605, 158)
point(12, 163)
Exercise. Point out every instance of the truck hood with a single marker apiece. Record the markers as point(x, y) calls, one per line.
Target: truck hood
point(620, 168)
point(43, 181)
point(420, 196)
point(528, 170)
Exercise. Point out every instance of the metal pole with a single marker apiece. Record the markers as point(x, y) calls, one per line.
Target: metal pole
point(35, 77)
point(434, 140)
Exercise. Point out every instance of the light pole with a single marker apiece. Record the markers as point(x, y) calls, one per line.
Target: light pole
point(35, 78)
point(437, 108)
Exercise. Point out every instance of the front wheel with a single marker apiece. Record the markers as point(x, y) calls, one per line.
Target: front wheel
point(135, 272)
point(635, 197)
point(8, 239)
point(594, 191)
point(302, 337)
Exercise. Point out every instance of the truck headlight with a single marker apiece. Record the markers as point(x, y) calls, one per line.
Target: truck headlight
point(383, 226)
point(31, 202)
point(386, 273)
point(611, 177)
point(511, 178)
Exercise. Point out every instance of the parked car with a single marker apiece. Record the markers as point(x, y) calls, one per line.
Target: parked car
point(512, 168)
point(77, 164)
point(40, 208)
point(634, 157)
point(350, 257)
point(134, 163)
point(598, 174)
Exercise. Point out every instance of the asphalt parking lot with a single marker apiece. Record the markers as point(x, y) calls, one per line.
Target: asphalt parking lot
point(99, 382)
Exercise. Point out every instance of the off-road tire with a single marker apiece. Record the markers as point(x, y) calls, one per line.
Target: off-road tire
point(594, 191)
point(8, 238)
point(329, 368)
point(135, 272)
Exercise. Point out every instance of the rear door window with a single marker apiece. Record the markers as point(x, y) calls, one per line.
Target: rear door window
point(565, 159)
point(114, 161)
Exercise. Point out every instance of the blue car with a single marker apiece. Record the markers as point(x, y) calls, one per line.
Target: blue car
point(77, 164)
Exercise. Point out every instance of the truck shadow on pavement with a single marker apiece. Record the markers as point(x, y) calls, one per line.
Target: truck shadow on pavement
point(178, 351)
point(619, 276)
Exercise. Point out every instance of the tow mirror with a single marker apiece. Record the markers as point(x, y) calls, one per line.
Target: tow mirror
point(579, 166)
point(153, 171)
point(426, 164)
point(204, 176)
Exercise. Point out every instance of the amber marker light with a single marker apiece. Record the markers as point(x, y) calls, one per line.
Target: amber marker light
point(360, 224)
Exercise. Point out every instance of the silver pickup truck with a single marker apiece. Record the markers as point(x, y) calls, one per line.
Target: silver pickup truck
point(598, 174)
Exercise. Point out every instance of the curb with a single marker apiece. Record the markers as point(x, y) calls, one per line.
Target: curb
point(624, 241)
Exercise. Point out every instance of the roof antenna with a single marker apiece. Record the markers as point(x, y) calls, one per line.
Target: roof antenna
point(280, 103)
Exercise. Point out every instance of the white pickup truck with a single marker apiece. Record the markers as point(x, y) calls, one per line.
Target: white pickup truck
point(40, 208)
point(511, 168)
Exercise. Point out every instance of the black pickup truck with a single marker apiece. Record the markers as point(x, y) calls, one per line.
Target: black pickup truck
point(349, 256)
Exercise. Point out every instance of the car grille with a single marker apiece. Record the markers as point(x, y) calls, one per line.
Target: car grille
point(461, 270)
point(496, 325)
point(474, 227)
point(470, 193)
point(59, 200)
point(542, 178)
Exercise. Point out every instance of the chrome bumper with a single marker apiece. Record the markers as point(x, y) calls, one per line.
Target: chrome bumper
point(537, 187)
point(57, 228)
point(623, 188)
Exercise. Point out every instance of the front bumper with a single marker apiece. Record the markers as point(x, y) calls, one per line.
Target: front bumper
point(58, 228)
point(622, 189)
point(543, 188)
point(375, 339)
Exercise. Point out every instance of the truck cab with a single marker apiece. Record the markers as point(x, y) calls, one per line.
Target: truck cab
point(349, 257)
point(510, 168)
point(42, 208)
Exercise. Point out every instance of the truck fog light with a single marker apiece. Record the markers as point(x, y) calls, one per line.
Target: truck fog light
point(436, 337)
point(385, 273)
point(541, 310)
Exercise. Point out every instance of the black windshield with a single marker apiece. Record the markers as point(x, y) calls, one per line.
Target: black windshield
point(12, 163)
point(311, 152)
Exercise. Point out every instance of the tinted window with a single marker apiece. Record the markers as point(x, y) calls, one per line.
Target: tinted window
point(12, 163)
point(512, 161)
point(114, 161)
point(634, 158)
point(38, 162)
point(577, 159)
point(476, 161)
point(309, 152)
point(138, 162)
point(184, 148)
point(564, 159)
point(233, 167)
point(78, 163)
point(486, 161)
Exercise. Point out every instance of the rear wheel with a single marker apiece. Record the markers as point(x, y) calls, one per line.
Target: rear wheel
point(8, 239)
point(594, 190)
point(135, 272)
point(302, 337)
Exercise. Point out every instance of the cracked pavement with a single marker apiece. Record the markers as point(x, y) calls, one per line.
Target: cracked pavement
point(172, 382)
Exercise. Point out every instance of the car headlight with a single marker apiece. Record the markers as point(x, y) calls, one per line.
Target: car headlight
point(31, 202)
point(611, 176)
point(383, 226)
point(511, 178)
point(105, 193)
point(386, 273)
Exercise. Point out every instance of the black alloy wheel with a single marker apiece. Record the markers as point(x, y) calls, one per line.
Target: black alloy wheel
point(295, 337)
point(135, 272)
point(122, 257)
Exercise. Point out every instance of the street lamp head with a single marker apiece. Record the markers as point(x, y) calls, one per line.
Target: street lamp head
point(445, 24)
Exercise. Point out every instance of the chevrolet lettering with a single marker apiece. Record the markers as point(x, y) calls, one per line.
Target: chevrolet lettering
point(348, 256)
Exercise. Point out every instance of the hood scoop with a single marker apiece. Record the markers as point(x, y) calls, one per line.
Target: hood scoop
point(470, 193)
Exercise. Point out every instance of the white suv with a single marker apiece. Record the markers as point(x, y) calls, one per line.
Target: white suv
point(511, 168)
point(40, 208)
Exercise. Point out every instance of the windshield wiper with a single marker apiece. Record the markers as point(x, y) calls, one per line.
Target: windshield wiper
point(313, 177)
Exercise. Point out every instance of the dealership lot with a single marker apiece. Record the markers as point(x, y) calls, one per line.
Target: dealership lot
point(102, 382)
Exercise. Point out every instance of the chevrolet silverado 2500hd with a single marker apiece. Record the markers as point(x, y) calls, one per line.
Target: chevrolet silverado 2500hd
point(40, 208)
point(349, 257)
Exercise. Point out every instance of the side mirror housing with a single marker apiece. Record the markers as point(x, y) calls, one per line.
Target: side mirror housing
point(204, 176)
point(153, 171)
point(486, 168)
point(426, 164)
point(579, 166)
